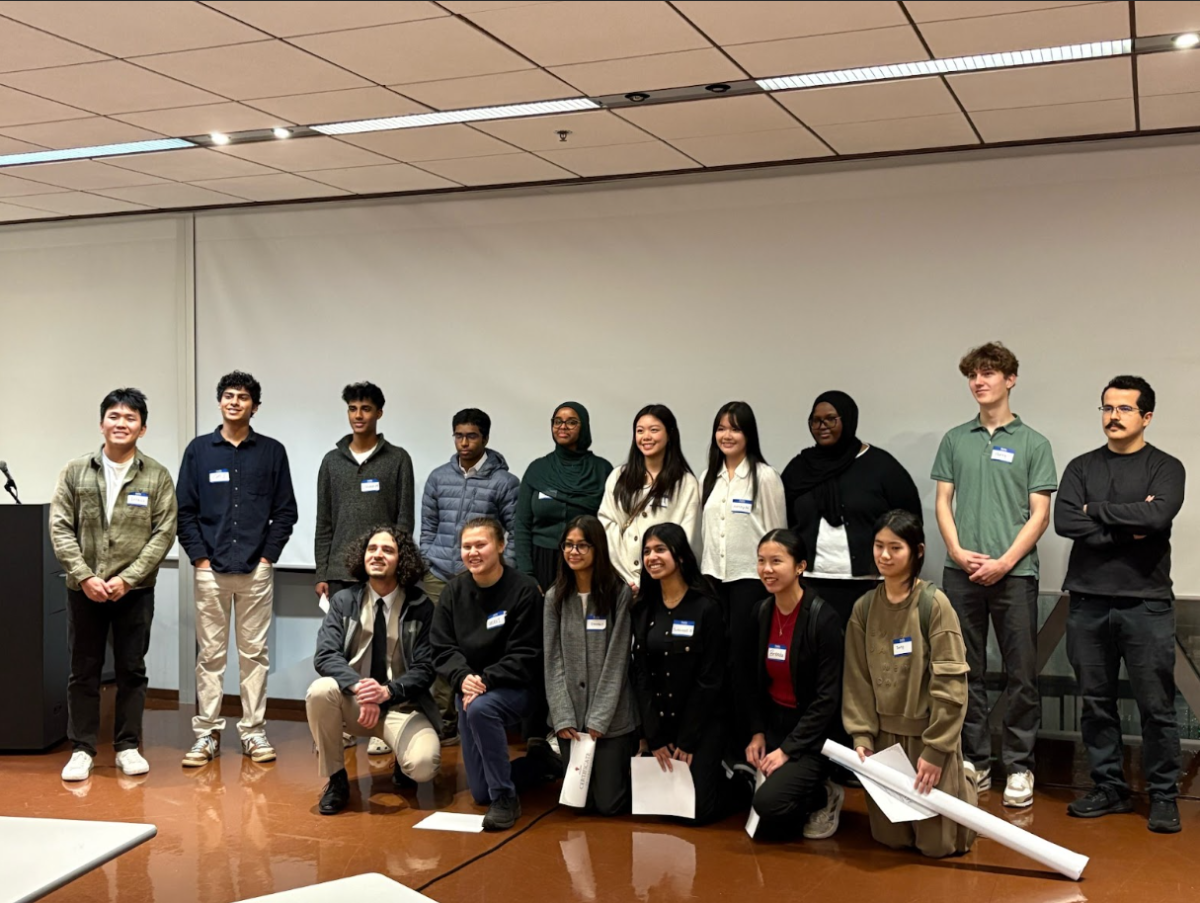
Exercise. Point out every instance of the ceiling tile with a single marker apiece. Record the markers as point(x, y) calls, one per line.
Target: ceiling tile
point(12, 146)
point(90, 132)
point(77, 203)
point(381, 179)
point(301, 17)
point(1167, 16)
point(244, 71)
point(19, 108)
point(620, 159)
point(488, 90)
point(190, 165)
point(277, 187)
point(112, 87)
point(742, 22)
point(439, 142)
point(84, 175)
point(719, 116)
point(753, 147)
point(645, 73)
point(1169, 73)
point(125, 28)
point(11, 213)
point(947, 130)
point(1031, 123)
point(460, 7)
point(499, 170)
point(22, 47)
point(1027, 31)
point(582, 31)
point(205, 118)
point(339, 106)
point(425, 51)
point(171, 194)
point(300, 154)
point(902, 99)
point(594, 128)
point(1162, 111)
point(941, 10)
point(826, 52)
point(12, 186)
point(1039, 86)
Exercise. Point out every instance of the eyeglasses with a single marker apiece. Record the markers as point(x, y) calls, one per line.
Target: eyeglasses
point(467, 437)
point(558, 421)
point(1123, 409)
point(827, 422)
point(581, 547)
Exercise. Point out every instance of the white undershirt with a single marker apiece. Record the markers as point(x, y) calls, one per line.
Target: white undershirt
point(832, 558)
point(583, 599)
point(114, 478)
point(362, 456)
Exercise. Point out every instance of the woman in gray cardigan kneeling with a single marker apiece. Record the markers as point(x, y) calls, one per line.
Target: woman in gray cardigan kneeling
point(587, 639)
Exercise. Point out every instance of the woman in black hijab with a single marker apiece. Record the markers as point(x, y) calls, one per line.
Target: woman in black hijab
point(834, 492)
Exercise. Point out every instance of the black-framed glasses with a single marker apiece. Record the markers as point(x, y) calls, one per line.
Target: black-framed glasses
point(467, 437)
point(581, 547)
point(827, 422)
point(559, 422)
point(1123, 409)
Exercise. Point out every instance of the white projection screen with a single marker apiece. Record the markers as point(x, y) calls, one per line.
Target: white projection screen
point(770, 288)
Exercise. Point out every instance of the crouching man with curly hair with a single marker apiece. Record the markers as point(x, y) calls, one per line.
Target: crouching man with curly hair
point(376, 666)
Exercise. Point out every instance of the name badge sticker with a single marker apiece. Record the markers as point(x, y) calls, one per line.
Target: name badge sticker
point(683, 628)
point(594, 623)
point(138, 499)
point(777, 653)
point(1003, 454)
point(496, 620)
point(542, 495)
point(370, 485)
point(218, 476)
point(741, 506)
point(902, 646)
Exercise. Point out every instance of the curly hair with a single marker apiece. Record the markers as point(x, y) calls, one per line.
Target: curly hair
point(409, 568)
point(992, 356)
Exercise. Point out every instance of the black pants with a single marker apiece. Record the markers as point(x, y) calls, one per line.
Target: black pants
point(841, 594)
point(739, 598)
point(716, 794)
point(1101, 631)
point(545, 566)
point(88, 625)
point(608, 790)
point(797, 787)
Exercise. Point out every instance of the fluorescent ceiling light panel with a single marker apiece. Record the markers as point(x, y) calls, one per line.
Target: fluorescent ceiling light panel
point(976, 63)
point(479, 114)
point(87, 153)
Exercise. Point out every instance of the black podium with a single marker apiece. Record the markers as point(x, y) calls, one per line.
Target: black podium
point(34, 665)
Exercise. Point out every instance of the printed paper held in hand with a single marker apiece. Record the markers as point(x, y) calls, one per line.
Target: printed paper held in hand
point(893, 805)
point(579, 772)
point(752, 821)
point(658, 792)
point(324, 603)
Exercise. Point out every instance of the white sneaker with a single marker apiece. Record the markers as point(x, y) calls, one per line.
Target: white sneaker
point(79, 768)
point(1019, 791)
point(552, 739)
point(824, 822)
point(132, 762)
point(377, 747)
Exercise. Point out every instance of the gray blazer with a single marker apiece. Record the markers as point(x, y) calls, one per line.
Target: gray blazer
point(587, 671)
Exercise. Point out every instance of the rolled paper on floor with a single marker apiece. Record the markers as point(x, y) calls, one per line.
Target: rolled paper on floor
point(1051, 855)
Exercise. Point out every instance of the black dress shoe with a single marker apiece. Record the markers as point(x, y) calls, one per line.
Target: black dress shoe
point(502, 814)
point(1101, 801)
point(1164, 816)
point(401, 780)
point(336, 794)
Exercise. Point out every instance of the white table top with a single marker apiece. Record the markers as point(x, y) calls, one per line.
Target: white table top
point(369, 888)
point(38, 855)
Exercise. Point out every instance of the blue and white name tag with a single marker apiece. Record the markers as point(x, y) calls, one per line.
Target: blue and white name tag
point(902, 646)
point(496, 620)
point(665, 502)
point(1003, 454)
point(138, 499)
point(776, 653)
point(218, 476)
point(370, 486)
point(741, 506)
point(542, 495)
point(683, 628)
point(597, 623)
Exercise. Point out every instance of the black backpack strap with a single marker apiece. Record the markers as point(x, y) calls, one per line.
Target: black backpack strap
point(814, 611)
point(925, 609)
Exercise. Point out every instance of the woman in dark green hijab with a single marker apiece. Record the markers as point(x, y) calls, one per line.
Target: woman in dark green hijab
point(562, 485)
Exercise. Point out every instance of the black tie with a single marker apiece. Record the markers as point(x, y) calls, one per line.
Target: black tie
point(379, 646)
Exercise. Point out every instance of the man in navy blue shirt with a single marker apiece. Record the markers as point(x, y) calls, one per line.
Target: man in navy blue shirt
point(236, 512)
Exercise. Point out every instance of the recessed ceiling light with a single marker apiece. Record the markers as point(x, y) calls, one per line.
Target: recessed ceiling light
point(477, 114)
point(219, 138)
point(281, 133)
point(87, 153)
point(1186, 41)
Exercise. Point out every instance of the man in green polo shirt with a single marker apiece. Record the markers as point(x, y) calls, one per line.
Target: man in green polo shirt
point(995, 476)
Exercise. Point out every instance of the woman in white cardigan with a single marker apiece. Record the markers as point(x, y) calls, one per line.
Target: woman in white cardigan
point(655, 486)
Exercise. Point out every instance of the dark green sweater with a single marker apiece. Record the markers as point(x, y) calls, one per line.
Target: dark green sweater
point(540, 517)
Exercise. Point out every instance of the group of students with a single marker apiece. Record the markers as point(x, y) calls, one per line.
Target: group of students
point(647, 607)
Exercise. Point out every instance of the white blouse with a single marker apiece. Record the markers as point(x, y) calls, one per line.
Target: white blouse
point(732, 527)
point(625, 535)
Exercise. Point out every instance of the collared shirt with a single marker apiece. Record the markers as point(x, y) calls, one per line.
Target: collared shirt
point(370, 597)
point(474, 468)
point(993, 476)
point(734, 521)
point(236, 503)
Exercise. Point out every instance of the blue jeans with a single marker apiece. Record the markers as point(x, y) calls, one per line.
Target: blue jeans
point(483, 728)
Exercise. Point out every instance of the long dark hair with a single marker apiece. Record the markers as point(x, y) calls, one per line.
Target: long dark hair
point(676, 541)
point(911, 531)
point(409, 566)
point(606, 582)
point(741, 417)
point(633, 478)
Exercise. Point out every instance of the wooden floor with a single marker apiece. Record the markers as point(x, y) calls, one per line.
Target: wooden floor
point(235, 830)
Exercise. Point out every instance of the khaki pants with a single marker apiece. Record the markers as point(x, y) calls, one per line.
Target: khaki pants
point(330, 711)
point(442, 692)
point(248, 599)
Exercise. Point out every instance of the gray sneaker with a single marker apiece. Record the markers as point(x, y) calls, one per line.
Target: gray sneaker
point(258, 748)
point(824, 822)
point(203, 751)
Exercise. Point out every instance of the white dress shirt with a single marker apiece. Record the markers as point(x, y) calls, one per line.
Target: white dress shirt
point(370, 597)
point(681, 506)
point(732, 527)
point(474, 468)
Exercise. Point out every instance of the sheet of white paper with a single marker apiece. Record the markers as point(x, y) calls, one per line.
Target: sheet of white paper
point(752, 821)
point(894, 806)
point(452, 821)
point(658, 792)
point(324, 603)
point(579, 772)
